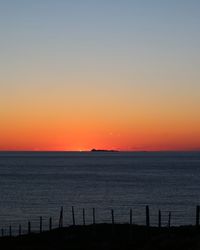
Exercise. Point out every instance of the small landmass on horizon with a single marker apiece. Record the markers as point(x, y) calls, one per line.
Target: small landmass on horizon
point(103, 150)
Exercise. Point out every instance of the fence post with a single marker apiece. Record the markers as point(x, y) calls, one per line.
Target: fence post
point(73, 216)
point(113, 222)
point(159, 219)
point(10, 231)
point(197, 215)
point(83, 217)
point(29, 227)
point(20, 229)
point(112, 215)
point(131, 217)
point(50, 224)
point(131, 223)
point(147, 216)
point(61, 218)
point(40, 224)
point(169, 220)
point(93, 216)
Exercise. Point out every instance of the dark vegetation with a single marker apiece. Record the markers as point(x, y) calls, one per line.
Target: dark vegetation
point(108, 236)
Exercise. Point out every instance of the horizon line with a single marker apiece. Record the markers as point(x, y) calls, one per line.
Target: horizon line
point(82, 151)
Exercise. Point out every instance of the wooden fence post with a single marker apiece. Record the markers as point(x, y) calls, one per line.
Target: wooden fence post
point(50, 224)
point(112, 215)
point(147, 216)
point(197, 215)
point(73, 216)
point(131, 217)
point(159, 219)
point(113, 222)
point(29, 227)
point(131, 223)
point(61, 218)
point(20, 229)
point(83, 217)
point(94, 217)
point(40, 224)
point(169, 220)
point(10, 231)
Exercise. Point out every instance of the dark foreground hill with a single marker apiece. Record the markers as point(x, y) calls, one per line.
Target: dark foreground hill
point(105, 236)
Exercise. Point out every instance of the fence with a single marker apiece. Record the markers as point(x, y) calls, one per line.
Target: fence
point(86, 217)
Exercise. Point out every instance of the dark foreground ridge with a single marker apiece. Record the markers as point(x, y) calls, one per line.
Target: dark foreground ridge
point(108, 236)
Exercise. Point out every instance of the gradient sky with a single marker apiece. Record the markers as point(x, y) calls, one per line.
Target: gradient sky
point(118, 74)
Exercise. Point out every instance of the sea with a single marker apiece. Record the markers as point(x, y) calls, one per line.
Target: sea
point(35, 184)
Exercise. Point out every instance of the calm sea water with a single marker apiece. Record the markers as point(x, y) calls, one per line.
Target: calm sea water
point(38, 184)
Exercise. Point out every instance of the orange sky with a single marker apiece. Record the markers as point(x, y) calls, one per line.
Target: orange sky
point(84, 116)
point(110, 128)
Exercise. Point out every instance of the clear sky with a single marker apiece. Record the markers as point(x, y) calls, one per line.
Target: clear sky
point(119, 74)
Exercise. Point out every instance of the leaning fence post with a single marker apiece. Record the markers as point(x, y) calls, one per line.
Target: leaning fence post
point(73, 216)
point(94, 217)
point(29, 227)
point(159, 219)
point(84, 216)
point(147, 216)
point(61, 218)
point(50, 224)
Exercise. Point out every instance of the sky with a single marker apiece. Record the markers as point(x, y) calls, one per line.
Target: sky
point(111, 74)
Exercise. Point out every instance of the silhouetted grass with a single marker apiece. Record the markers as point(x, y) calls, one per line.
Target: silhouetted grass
point(107, 236)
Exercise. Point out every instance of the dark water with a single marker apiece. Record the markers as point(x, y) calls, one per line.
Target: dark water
point(35, 184)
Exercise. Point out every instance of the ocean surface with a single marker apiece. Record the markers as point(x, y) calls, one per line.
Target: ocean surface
point(36, 184)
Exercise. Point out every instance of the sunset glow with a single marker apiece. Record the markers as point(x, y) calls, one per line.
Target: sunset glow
point(72, 80)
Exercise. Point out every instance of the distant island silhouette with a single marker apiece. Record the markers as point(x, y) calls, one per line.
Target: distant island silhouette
point(103, 150)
